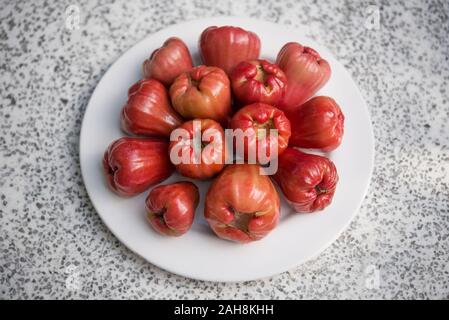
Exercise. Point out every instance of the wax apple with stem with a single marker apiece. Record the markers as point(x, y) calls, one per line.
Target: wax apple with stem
point(242, 205)
point(132, 165)
point(198, 149)
point(204, 93)
point(308, 181)
point(306, 73)
point(265, 131)
point(317, 124)
point(148, 111)
point(227, 46)
point(168, 62)
point(258, 81)
point(171, 207)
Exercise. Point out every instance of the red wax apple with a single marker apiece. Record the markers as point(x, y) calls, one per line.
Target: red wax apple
point(148, 111)
point(203, 93)
point(308, 181)
point(168, 62)
point(306, 73)
point(317, 124)
point(258, 81)
point(242, 205)
point(227, 46)
point(202, 158)
point(171, 207)
point(256, 120)
point(132, 165)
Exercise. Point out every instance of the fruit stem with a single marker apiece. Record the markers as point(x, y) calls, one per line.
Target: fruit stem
point(194, 83)
point(263, 129)
point(241, 220)
point(319, 190)
point(260, 75)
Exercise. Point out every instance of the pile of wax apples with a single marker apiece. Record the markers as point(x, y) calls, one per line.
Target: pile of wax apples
point(234, 89)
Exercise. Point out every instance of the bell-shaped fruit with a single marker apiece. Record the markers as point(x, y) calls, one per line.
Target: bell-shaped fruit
point(202, 93)
point(171, 207)
point(168, 62)
point(265, 132)
point(198, 149)
point(308, 181)
point(242, 205)
point(227, 46)
point(132, 165)
point(306, 73)
point(317, 124)
point(148, 111)
point(258, 81)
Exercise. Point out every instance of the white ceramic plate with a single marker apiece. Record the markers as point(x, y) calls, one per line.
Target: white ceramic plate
point(200, 254)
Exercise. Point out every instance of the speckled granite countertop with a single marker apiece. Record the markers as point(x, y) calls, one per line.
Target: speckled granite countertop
point(52, 242)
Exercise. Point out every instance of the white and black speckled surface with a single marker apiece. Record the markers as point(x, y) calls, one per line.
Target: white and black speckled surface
point(52, 242)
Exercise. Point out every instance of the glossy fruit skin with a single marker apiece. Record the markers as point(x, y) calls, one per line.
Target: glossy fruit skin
point(168, 62)
point(241, 204)
point(262, 116)
point(132, 165)
point(258, 81)
point(148, 111)
point(306, 73)
point(204, 93)
point(227, 46)
point(317, 124)
point(212, 159)
point(308, 181)
point(171, 207)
